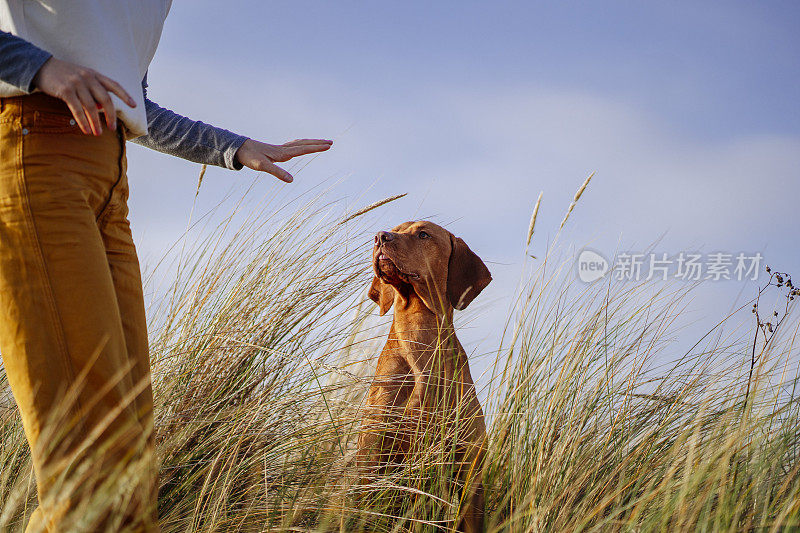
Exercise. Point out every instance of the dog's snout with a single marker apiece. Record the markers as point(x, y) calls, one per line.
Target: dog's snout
point(383, 236)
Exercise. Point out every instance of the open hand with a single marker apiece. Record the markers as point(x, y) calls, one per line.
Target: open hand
point(262, 156)
point(85, 92)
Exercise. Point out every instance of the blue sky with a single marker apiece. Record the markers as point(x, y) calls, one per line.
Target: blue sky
point(687, 111)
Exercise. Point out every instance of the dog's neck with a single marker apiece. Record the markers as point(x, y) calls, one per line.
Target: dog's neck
point(416, 324)
point(421, 337)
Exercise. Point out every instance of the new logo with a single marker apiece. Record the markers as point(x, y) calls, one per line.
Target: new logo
point(591, 266)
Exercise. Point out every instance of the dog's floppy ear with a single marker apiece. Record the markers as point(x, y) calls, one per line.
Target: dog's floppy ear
point(382, 294)
point(467, 276)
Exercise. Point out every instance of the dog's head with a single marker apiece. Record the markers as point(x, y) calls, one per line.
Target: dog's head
point(430, 261)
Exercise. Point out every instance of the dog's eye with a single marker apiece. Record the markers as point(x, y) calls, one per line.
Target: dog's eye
point(423, 235)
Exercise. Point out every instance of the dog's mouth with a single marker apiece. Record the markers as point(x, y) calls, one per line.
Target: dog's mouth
point(388, 270)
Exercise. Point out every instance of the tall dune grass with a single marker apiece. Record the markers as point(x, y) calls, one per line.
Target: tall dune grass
point(263, 345)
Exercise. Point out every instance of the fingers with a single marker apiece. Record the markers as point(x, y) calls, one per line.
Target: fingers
point(303, 149)
point(103, 99)
point(95, 96)
point(265, 165)
point(277, 171)
point(262, 157)
point(287, 151)
point(76, 108)
point(90, 109)
point(300, 142)
point(84, 90)
point(117, 89)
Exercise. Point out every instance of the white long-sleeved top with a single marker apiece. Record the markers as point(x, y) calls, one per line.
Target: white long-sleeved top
point(117, 38)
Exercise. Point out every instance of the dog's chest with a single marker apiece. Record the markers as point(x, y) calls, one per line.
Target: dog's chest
point(413, 372)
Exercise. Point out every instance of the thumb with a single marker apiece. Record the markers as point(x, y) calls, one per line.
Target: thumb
point(271, 168)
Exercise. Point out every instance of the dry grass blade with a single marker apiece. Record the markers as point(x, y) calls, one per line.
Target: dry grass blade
point(200, 179)
point(575, 200)
point(533, 219)
point(372, 206)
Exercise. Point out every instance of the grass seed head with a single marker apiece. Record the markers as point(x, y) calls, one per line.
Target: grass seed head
point(577, 197)
point(533, 219)
point(372, 206)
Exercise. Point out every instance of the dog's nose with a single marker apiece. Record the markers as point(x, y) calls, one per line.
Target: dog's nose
point(383, 236)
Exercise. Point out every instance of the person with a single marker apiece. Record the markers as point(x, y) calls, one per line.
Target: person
point(73, 338)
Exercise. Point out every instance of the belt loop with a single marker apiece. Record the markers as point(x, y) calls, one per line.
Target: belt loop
point(21, 109)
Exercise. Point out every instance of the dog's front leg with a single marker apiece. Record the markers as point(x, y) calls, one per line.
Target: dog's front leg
point(473, 509)
point(470, 474)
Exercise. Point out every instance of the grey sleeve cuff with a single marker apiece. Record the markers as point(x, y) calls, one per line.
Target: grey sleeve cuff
point(196, 141)
point(20, 61)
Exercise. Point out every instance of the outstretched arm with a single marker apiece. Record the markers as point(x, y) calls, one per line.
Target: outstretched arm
point(86, 93)
point(197, 141)
point(188, 139)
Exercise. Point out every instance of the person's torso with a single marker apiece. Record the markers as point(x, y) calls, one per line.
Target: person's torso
point(117, 38)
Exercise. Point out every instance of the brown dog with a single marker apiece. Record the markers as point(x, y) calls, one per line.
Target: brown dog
point(422, 382)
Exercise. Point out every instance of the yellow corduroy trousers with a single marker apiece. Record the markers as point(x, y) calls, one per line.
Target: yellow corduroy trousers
point(73, 337)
